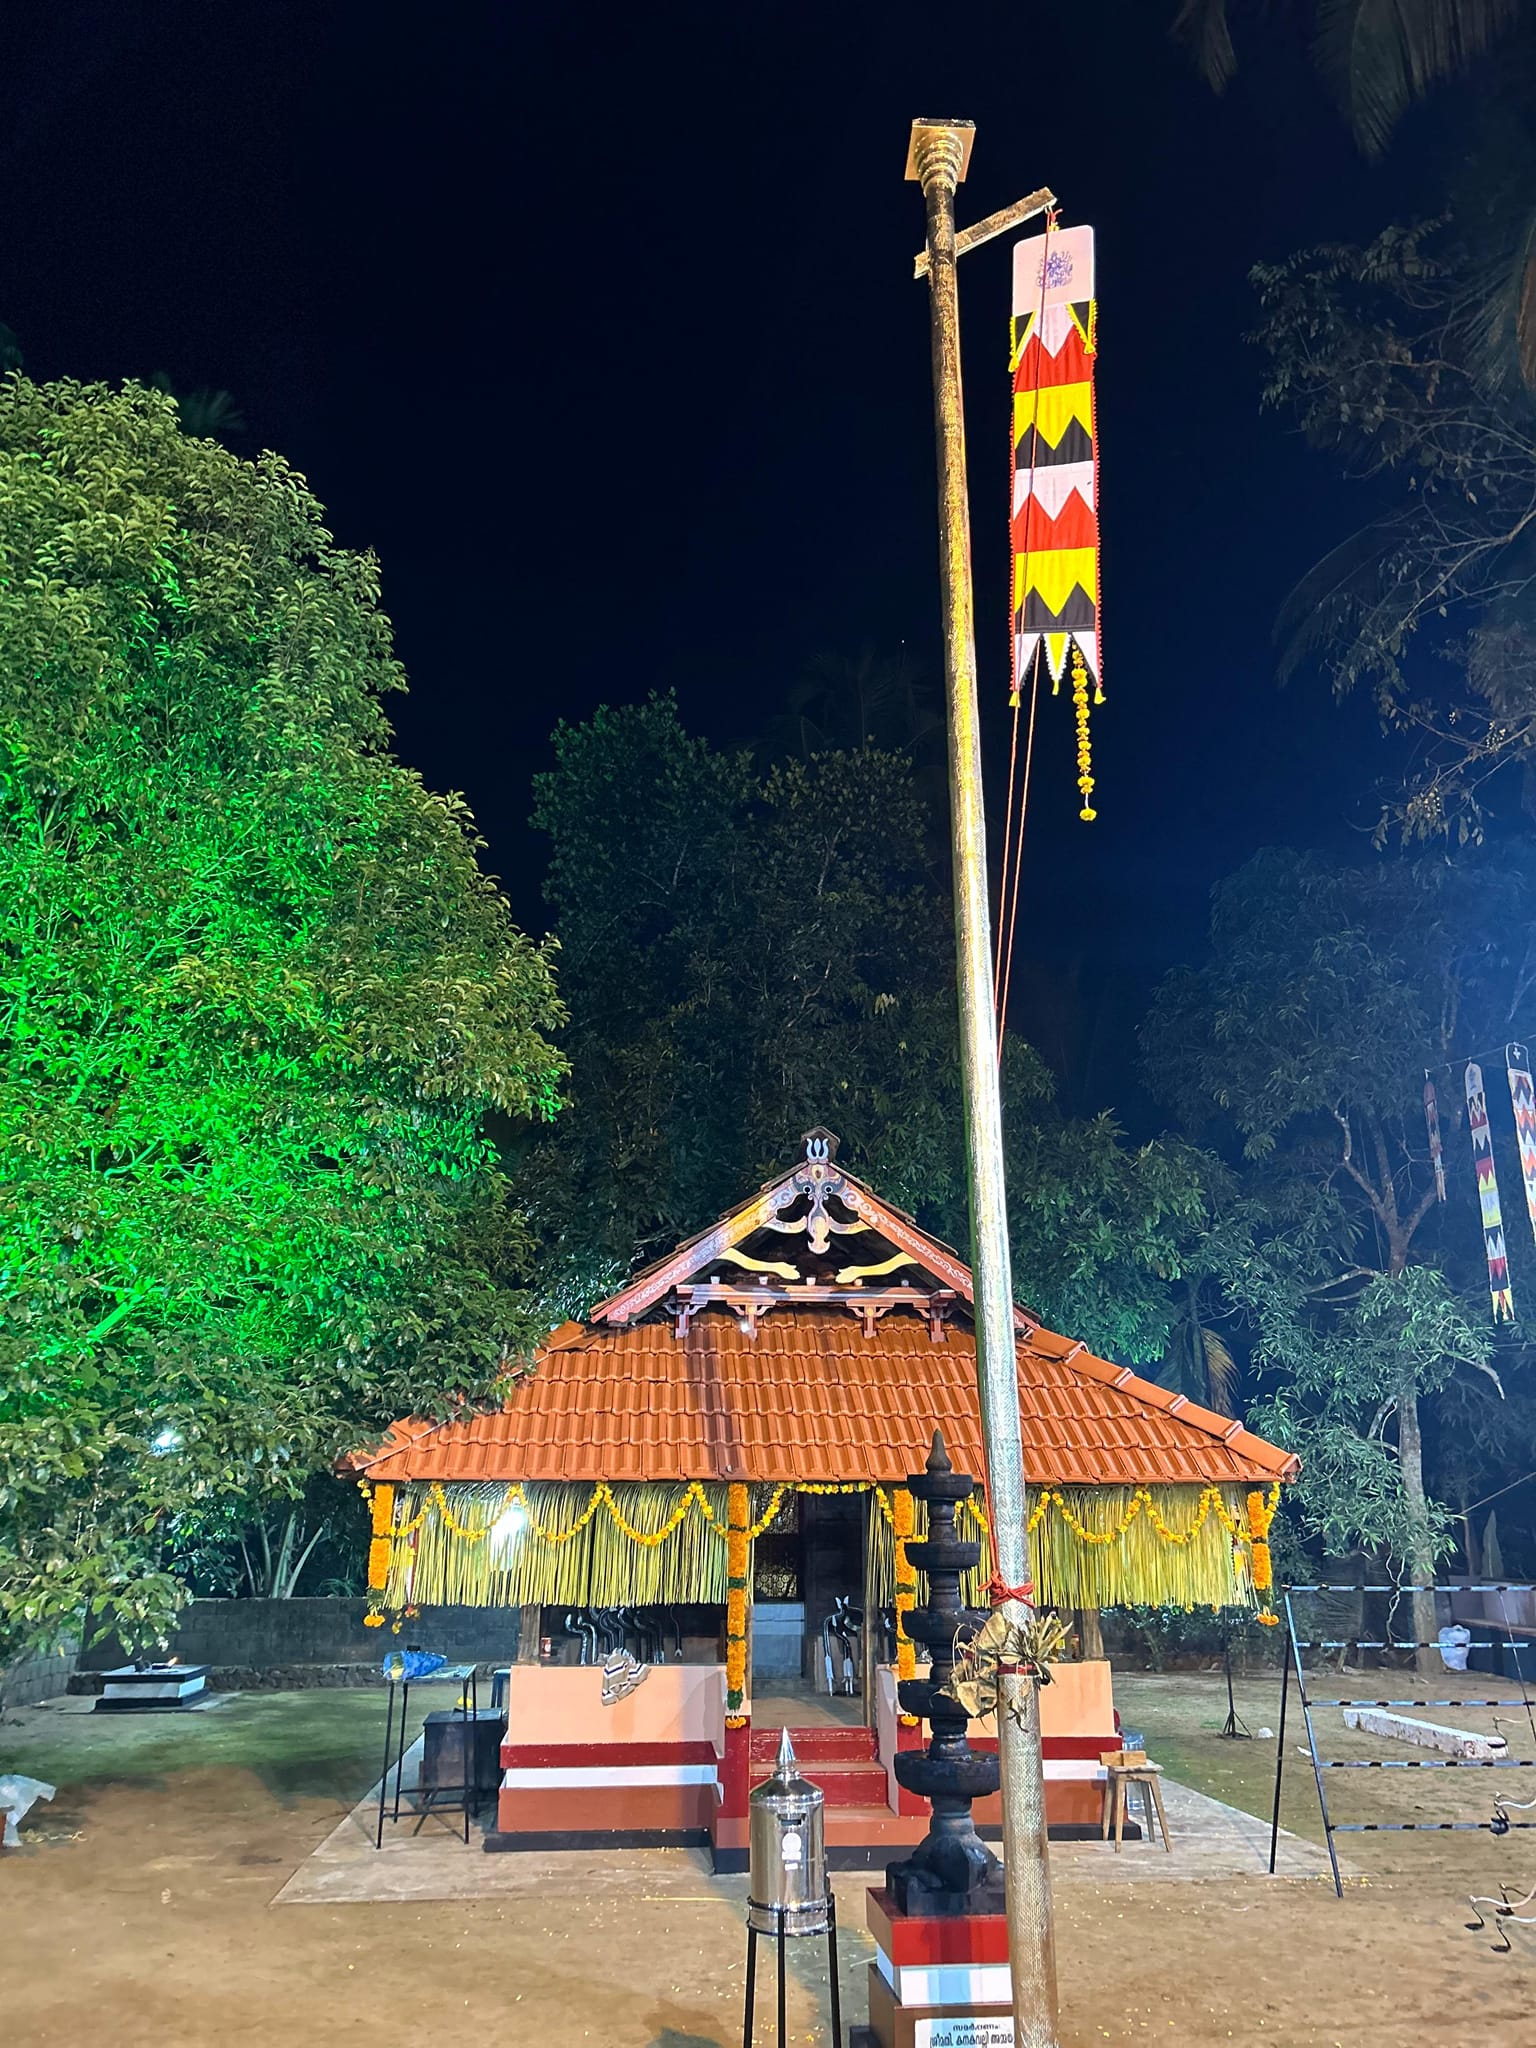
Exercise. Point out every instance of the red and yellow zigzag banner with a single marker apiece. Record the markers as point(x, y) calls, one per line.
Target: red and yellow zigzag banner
point(1055, 515)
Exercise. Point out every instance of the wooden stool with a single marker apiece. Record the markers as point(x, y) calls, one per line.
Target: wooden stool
point(1123, 1769)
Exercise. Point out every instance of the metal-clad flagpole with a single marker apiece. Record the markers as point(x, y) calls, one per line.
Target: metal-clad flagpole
point(937, 160)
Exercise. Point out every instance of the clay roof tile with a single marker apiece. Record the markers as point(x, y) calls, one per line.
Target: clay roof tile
point(818, 1401)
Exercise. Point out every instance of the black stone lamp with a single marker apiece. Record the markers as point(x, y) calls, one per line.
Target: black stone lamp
point(951, 1871)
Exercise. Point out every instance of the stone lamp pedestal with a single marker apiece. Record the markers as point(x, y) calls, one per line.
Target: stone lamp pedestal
point(940, 1975)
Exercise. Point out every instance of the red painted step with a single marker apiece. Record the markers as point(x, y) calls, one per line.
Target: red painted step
point(828, 1743)
point(842, 1761)
point(848, 1784)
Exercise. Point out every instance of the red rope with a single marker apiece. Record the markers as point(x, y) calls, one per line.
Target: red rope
point(1008, 893)
point(1000, 1594)
point(1000, 999)
point(1018, 856)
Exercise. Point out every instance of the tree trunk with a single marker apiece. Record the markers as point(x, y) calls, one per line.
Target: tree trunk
point(1421, 1557)
point(1090, 1637)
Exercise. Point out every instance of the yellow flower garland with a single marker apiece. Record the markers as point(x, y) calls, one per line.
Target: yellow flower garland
point(1141, 1503)
point(896, 1508)
point(1084, 738)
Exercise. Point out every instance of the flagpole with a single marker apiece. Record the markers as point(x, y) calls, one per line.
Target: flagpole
point(937, 159)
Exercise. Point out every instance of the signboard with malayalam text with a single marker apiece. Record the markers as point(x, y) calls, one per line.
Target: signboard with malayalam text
point(970, 2030)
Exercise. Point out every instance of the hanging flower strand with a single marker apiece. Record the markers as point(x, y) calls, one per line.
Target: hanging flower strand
point(906, 1591)
point(738, 1546)
point(1261, 1513)
point(1084, 737)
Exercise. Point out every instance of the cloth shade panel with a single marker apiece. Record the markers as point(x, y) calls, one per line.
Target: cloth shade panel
point(533, 1554)
point(1139, 1568)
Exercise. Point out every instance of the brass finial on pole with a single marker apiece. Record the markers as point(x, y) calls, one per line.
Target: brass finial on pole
point(937, 159)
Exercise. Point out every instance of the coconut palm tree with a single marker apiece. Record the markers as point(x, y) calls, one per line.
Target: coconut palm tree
point(1197, 1361)
point(1381, 57)
point(204, 414)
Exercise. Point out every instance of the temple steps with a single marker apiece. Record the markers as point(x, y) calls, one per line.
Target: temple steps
point(842, 1761)
point(826, 1744)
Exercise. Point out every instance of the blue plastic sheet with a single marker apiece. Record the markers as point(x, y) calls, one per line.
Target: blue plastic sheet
point(402, 1666)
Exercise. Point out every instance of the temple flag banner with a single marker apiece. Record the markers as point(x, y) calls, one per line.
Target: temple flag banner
point(1432, 1125)
point(1055, 515)
point(1488, 1196)
point(1523, 1099)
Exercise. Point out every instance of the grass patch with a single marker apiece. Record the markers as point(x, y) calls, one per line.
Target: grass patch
point(300, 1745)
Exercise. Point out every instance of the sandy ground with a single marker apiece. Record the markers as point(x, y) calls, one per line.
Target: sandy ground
point(141, 1908)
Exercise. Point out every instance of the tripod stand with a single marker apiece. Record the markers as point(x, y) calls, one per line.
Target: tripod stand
point(1234, 1727)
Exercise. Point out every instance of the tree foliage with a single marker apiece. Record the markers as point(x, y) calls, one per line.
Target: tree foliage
point(1378, 353)
point(1302, 1047)
point(257, 999)
point(747, 955)
point(1380, 58)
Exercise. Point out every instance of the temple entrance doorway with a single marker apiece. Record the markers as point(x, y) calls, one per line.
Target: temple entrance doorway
point(808, 1606)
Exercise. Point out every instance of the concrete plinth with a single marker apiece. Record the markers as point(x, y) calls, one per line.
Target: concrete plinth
point(160, 1688)
point(938, 1982)
point(1457, 1742)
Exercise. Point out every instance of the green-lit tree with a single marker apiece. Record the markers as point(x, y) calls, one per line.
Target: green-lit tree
point(256, 1000)
point(747, 956)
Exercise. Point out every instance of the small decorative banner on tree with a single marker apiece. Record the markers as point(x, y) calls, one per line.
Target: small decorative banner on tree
point(1432, 1125)
point(1055, 518)
point(1488, 1196)
point(1523, 1099)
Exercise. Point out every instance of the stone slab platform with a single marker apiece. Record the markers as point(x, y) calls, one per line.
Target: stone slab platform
point(431, 1861)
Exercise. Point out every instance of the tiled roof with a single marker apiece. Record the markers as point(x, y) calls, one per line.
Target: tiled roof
point(810, 1397)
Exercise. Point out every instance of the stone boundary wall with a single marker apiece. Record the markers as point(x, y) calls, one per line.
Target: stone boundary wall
point(256, 1645)
point(41, 1675)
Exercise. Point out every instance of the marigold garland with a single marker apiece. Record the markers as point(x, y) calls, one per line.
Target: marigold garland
point(381, 1545)
point(1084, 741)
point(1260, 1514)
point(903, 1522)
point(737, 1558)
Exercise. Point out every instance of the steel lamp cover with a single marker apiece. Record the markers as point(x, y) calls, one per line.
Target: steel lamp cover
point(787, 1859)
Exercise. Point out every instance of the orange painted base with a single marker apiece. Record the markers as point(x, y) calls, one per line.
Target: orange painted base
point(1069, 1803)
point(591, 1808)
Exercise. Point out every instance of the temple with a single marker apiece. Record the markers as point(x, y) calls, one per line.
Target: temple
point(711, 1469)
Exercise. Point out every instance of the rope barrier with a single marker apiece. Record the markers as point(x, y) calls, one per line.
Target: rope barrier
point(1500, 1822)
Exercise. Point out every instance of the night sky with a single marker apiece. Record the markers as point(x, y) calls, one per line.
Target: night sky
point(598, 324)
